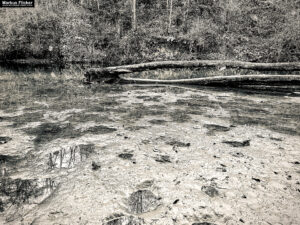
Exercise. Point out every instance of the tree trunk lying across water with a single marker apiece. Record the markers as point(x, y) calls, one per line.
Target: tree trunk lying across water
point(231, 81)
point(112, 74)
point(95, 73)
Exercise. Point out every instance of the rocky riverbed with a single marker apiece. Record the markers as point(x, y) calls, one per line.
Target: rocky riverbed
point(120, 155)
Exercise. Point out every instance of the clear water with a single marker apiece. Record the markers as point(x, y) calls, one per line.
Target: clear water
point(54, 131)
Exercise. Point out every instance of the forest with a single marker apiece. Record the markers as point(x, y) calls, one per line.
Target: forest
point(117, 32)
point(150, 112)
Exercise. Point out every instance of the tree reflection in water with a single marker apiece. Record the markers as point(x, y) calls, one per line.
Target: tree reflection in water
point(24, 191)
point(69, 157)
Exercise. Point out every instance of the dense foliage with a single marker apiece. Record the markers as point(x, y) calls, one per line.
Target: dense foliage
point(102, 30)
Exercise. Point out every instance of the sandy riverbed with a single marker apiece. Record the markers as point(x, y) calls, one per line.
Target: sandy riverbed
point(151, 155)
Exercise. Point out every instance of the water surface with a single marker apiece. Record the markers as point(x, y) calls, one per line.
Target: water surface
point(77, 154)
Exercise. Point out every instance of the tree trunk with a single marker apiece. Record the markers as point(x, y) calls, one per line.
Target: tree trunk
point(120, 28)
point(186, 14)
point(230, 81)
point(223, 18)
point(170, 16)
point(98, 5)
point(134, 26)
point(115, 71)
point(268, 82)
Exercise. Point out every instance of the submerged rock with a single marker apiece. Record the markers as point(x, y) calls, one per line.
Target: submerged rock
point(212, 128)
point(237, 154)
point(95, 166)
point(157, 122)
point(221, 169)
point(125, 155)
point(135, 128)
point(210, 191)
point(163, 159)
point(4, 140)
point(121, 219)
point(256, 179)
point(100, 130)
point(238, 143)
point(142, 201)
point(178, 143)
point(176, 201)
point(145, 184)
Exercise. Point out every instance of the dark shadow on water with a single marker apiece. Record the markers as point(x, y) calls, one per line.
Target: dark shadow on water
point(135, 128)
point(8, 164)
point(43, 66)
point(180, 116)
point(47, 132)
point(272, 112)
point(157, 122)
point(99, 129)
point(23, 67)
point(141, 111)
point(83, 117)
point(252, 90)
point(25, 118)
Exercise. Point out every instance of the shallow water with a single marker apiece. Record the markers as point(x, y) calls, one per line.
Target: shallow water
point(112, 154)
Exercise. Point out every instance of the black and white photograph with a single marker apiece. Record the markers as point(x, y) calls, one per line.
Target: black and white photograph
point(149, 112)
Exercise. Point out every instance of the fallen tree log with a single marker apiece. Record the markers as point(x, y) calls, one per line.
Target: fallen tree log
point(94, 74)
point(230, 81)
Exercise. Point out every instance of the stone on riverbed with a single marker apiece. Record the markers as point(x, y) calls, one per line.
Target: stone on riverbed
point(121, 219)
point(212, 128)
point(95, 165)
point(125, 156)
point(142, 201)
point(238, 143)
point(4, 140)
point(210, 191)
point(163, 159)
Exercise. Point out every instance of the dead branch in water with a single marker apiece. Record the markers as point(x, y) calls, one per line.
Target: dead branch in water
point(112, 74)
point(95, 73)
point(224, 80)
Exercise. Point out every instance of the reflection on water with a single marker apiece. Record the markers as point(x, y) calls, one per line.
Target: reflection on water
point(24, 191)
point(69, 157)
point(8, 164)
point(29, 68)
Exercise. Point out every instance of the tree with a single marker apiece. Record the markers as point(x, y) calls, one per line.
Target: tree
point(134, 26)
point(170, 15)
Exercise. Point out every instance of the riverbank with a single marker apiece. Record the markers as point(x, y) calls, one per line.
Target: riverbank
point(103, 31)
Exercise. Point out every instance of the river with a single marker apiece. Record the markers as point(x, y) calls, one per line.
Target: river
point(139, 154)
